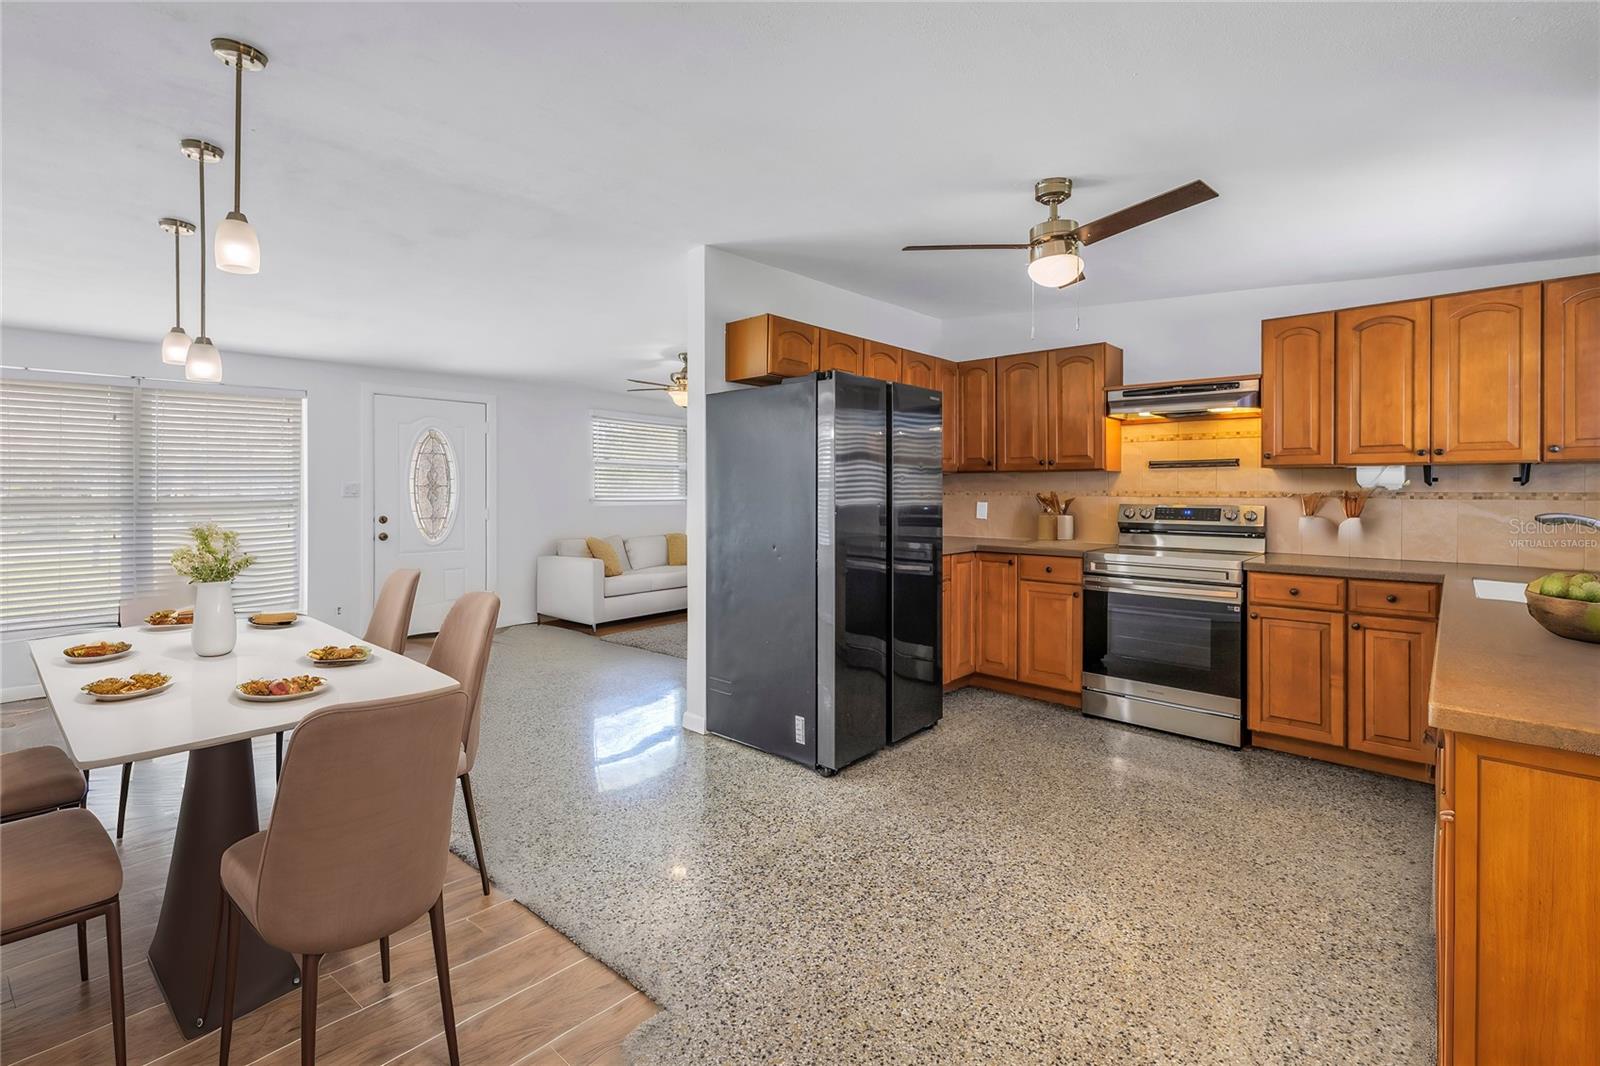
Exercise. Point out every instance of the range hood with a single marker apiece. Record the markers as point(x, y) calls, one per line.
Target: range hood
point(1196, 398)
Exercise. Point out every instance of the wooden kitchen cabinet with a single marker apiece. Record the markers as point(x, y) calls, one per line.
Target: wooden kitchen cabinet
point(1050, 635)
point(1389, 662)
point(1572, 369)
point(950, 396)
point(1297, 390)
point(1081, 437)
point(918, 369)
point(1022, 412)
point(764, 349)
point(1382, 380)
point(975, 393)
point(840, 351)
point(1296, 675)
point(1486, 376)
point(960, 600)
point(882, 362)
point(1518, 904)
point(995, 638)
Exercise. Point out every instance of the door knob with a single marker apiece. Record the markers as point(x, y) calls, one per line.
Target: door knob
point(383, 536)
point(382, 519)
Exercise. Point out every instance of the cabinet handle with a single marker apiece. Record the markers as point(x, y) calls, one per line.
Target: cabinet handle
point(1438, 451)
point(1074, 595)
point(1355, 625)
point(1422, 451)
point(1011, 562)
point(1266, 455)
point(1052, 462)
point(1254, 615)
point(1049, 569)
point(1555, 448)
point(1041, 462)
point(1294, 592)
point(1391, 598)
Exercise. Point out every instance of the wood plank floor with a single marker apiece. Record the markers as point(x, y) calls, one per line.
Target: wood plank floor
point(523, 993)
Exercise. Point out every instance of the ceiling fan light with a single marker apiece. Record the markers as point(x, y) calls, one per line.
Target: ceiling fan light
point(204, 362)
point(679, 396)
point(238, 251)
point(175, 347)
point(1054, 264)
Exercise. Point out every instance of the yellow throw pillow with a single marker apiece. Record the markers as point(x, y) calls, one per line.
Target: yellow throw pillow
point(677, 549)
point(606, 554)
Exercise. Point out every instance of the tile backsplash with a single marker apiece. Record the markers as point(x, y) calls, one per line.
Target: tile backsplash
point(1471, 514)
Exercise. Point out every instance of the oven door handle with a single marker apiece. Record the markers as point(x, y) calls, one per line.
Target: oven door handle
point(1160, 590)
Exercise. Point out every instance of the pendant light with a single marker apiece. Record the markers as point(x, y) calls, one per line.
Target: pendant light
point(175, 345)
point(204, 362)
point(237, 249)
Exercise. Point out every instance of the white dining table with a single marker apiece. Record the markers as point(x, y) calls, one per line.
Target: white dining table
point(203, 714)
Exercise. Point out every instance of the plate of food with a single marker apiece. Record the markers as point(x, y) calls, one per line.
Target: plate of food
point(114, 689)
point(176, 618)
point(262, 690)
point(334, 655)
point(273, 619)
point(100, 651)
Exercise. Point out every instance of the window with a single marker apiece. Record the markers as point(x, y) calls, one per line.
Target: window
point(433, 485)
point(100, 481)
point(638, 460)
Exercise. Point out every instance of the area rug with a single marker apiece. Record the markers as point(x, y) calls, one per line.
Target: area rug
point(1020, 884)
point(668, 638)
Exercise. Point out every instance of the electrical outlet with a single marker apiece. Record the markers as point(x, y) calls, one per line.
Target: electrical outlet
point(352, 489)
point(983, 510)
point(338, 610)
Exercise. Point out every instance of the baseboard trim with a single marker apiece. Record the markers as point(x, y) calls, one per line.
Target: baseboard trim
point(694, 723)
point(1360, 760)
point(1070, 700)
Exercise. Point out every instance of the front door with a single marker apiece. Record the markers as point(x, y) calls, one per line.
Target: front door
point(430, 499)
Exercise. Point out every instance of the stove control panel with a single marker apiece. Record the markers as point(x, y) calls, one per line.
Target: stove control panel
point(1192, 516)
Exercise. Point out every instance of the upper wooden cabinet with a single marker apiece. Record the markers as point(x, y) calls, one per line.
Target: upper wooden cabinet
point(975, 393)
point(840, 351)
point(1572, 369)
point(882, 362)
point(995, 634)
point(1022, 412)
point(1381, 369)
point(765, 348)
point(950, 399)
point(1081, 436)
point(918, 369)
point(1297, 390)
point(1485, 400)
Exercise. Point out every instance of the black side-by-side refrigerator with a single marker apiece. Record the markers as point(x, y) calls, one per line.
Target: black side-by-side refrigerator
point(824, 554)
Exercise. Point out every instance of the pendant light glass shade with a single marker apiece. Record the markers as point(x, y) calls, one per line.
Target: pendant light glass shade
point(237, 249)
point(204, 362)
point(1054, 264)
point(175, 347)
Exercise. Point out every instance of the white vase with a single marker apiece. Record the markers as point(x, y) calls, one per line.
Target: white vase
point(215, 628)
point(1063, 527)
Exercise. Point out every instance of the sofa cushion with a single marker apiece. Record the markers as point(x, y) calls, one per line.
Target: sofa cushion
point(573, 548)
point(646, 551)
point(607, 554)
point(649, 579)
point(677, 549)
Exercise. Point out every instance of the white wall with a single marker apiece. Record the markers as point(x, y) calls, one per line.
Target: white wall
point(543, 463)
point(1218, 333)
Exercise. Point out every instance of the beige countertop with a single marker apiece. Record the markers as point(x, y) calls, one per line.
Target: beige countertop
point(1074, 548)
point(1496, 672)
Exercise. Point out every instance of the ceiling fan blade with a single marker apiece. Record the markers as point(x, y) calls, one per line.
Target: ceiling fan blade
point(1196, 192)
point(654, 384)
point(959, 247)
point(652, 388)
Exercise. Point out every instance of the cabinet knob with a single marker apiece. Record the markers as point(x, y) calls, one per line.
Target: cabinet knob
point(1266, 455)
point(1049, 569)
point(1355, 625)
point(1391, 598)
point(1422, 451)
point(1041, 462)
point(1438, 451)
point(1294, 592)
point(1555, 448)
point(1074, 595)
point(1011, 562)
point(1052, 462)
point(1254, 615)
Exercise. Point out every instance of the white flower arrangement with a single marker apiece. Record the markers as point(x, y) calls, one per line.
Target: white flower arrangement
point(214, 555)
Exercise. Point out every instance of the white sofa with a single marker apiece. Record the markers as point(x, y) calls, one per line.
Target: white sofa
point(571, 584)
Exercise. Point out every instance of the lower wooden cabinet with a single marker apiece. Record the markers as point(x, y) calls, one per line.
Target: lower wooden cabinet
point(1015, 622)
point(960, 602)
point(1296, 681)
point(1518, 904)
point(1050, 635)
point(996, 615)
point(1389, 662)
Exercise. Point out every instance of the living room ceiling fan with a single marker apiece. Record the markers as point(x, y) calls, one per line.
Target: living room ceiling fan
point(1054, 245)
point(678, 390)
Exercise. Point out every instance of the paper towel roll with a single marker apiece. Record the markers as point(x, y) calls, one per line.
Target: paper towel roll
point(1392, 478)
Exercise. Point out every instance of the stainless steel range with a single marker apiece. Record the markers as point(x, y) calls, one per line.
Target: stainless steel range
point(1163, 619)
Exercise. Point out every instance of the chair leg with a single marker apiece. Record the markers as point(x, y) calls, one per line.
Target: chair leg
point(441, 964)
point(122, 802)
point(383, 956)
point(472, 823)
point(83, 951)
point(308, 1008)
point(278, 773)
point(119, 1016)
point(230, 980)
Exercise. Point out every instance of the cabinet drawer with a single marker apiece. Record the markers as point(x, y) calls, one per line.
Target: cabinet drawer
point(1410, 599)
point(1298, 590)
point(1051, 568)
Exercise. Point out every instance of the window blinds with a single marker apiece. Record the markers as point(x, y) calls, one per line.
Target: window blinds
point(99, 482)
point(639, 461)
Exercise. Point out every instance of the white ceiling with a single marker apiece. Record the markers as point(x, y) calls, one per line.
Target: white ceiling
point(512, 188)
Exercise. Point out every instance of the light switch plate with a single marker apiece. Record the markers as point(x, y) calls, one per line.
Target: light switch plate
point(352, 488)
point(983, 509)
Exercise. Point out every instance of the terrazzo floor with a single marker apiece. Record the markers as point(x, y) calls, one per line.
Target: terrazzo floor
point(1018, 885)
point(667, 638)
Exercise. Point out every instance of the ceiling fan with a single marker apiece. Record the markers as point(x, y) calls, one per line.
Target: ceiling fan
point(1054, 244)
point(678, 390)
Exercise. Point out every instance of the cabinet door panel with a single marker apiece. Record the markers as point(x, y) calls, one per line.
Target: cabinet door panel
point(918, 369)
point(1486, 376)
point(976, 426)
point(1022, 412)
point(882, 362)
point(950, 397)
point(1297, 390)
point(792, 348)
point(1050, 635)
point(1078, 407)
point(840, 351)
point(959, 603)
point(1381, 375)
point(996, 631)
point(1389, 665)
point(1297, 672)
point(1572, 369)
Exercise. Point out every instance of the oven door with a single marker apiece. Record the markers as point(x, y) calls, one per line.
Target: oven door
point(1175, 643)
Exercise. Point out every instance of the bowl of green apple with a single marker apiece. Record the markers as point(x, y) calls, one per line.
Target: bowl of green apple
point(1567, 604)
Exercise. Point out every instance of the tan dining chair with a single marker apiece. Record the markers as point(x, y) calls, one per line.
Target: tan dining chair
point(36, 781)
point(356, 847)
point(462, 650)
point(391, 615)
point(61, 869)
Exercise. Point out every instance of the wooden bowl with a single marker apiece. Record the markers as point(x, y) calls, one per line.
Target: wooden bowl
point(1573, 619)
